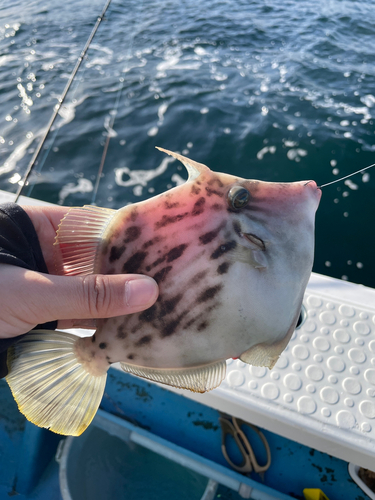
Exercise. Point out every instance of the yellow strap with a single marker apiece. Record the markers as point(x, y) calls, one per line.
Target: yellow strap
point(314, 494)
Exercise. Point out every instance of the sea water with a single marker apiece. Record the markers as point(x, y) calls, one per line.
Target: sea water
point(278, 91)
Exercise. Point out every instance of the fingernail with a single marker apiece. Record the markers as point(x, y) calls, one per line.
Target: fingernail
point(140, 291)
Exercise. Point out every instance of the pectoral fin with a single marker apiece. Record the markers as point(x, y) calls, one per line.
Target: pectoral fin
point(78, 239)
point(267, 354)
point(260, 355)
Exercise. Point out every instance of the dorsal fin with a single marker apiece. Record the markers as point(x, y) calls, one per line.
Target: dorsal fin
point(194, 168)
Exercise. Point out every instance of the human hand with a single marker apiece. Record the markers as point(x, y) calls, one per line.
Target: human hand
point(29, 298)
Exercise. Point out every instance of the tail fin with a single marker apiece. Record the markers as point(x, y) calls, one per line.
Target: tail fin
point(51, 388)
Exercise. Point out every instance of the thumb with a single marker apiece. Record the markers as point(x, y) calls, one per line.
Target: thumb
point(32, 298)
point(96, 296)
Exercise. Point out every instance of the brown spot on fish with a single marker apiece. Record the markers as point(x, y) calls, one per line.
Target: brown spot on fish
point(149, 243)
point(168, 205)
point(237, 227)
point(209, 293)
point(148, 315)
point(132, 233)
point(144, 341)
point(198, 277)
point(108, 360)
point(202, 326)
point(171, 327)
point(215, 180)
point(133, 264)
point(222, 249)
point(161, 275)
point(211, 192)
point(223, 268)
point(216, 207)
point(189, 323)
point(195, 189)
point(137, 327)
point(168, 306)
point(198, 206)
point(155, 263)
point(131, 356)
point(176, 252)
point(202, 317)
point(121, 333)
point(211, 235)
point(166, 220)
point(116, 253)
point(102, 345)
point(134, 214)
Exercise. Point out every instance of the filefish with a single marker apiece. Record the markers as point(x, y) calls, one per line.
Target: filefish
point(232, 258)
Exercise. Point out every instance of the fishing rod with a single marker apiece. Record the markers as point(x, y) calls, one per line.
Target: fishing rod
point(32, 163)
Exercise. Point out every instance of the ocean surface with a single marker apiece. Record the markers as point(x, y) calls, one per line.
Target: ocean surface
point(278, 91)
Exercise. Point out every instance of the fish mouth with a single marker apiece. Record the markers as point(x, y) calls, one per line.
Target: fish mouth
point(314, 192)
point(254, 240)
point(315, 187)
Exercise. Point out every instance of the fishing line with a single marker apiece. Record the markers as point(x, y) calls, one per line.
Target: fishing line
point(342, 178)
point(102, 161)
point(111, 124)
point(60, 103)
point(346, 176)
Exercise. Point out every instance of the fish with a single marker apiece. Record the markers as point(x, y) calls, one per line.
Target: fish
point(232, 258)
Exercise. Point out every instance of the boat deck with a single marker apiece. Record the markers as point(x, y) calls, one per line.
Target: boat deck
point(321, 392)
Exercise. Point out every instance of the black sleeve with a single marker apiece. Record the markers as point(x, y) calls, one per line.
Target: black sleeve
point(19, 246)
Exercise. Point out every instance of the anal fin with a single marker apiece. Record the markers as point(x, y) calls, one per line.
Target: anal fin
point(196, 379)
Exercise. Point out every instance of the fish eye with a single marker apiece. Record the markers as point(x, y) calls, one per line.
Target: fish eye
point(238, 197)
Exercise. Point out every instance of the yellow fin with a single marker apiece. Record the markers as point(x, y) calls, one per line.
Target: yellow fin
point(196, 379)
point(50, 386)
point(78, 238)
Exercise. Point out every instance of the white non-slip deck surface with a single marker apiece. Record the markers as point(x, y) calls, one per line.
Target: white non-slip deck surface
point(321, 391)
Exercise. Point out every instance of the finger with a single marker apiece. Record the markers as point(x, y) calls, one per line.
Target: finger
point(40, 214)
point(98, 296)
point(45, 220)
point(48, 297)
point(87, 324)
